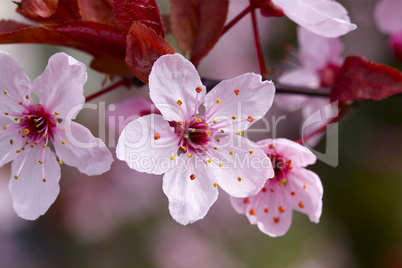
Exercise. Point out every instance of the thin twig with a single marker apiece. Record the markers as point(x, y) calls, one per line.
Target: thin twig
point(104, 91)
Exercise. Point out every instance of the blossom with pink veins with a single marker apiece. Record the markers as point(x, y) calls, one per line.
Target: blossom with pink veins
point(292, 188)
point(29, 128)
point(326, 18)
point(199, 151)
point(388, 16)
point(320, 62)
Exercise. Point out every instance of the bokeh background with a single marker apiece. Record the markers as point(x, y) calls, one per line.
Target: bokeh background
point(121, 219)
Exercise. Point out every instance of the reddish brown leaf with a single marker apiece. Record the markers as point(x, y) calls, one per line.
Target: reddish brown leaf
point(144, 11)
point(144, 47)
point(97, 10)
point(197, 25)
point(66, 10)
point(94, 38)
point(111, 65)
point(10, 25)
point(359, 78)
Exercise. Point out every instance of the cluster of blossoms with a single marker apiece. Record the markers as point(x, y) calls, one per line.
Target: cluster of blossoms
point(199, 152)
point(196, 139)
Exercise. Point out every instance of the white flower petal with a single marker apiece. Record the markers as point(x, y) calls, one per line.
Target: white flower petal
point(60, 86)
point(309, 191)
point(138, 147)
point(32, 196)
point(82, 150)
point(300, 155)
point(172, 83)
point(245, 167)
point(189, 200)
point(325, 18)
point(14, 82)
point(254, 99)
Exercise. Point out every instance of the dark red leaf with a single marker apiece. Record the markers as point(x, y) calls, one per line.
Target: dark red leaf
point(97, 10)
point(66, 10)
point(144, 47)
point(359, 78)
point(94, 38)
point(197, 25)
point(10, 25)
point(111, 66)
point(144, 11)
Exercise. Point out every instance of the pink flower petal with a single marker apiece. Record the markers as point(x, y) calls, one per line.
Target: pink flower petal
point(309, 191)
point(316, 52)
point(139, 148)
point(31, 195)
point(325, 18)
point(7, 152)
point(82, 150)
point(189, 199)
point(14, 82)
point(173, 82)
point(388, 14)
point(254, 98)
point(60, 86)
point(299, 154)
point(245, 168)
point(273, 223)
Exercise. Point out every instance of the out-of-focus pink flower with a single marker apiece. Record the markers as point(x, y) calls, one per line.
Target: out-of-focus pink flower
point(292, 188)
point(129, 110)
point(97, 207)
point(320, 62)
point(323, 17)
point(29, 128)
point(201, 151)
point(388, 16)
point(10, 222)
point(174, 247)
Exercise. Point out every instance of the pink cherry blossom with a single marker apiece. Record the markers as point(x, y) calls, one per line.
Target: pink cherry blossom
point(388, 16)
point(292, 188)
point(199, 152)
point(30, 127)
point(320, 62)
point(324, 17)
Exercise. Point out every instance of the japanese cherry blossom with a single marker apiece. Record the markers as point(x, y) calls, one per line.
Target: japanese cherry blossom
point(388, 16)
point(323, 17)
point(199, 152)
point(292, 188)
point(30, 128)
point(320, 60)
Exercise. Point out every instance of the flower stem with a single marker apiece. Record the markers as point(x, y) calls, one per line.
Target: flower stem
point(236, 19)
point(260, 55)
point(321, 129)
point(106, 90)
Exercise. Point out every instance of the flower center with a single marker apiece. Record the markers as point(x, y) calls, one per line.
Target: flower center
point(196, 136)
point(36, 123)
